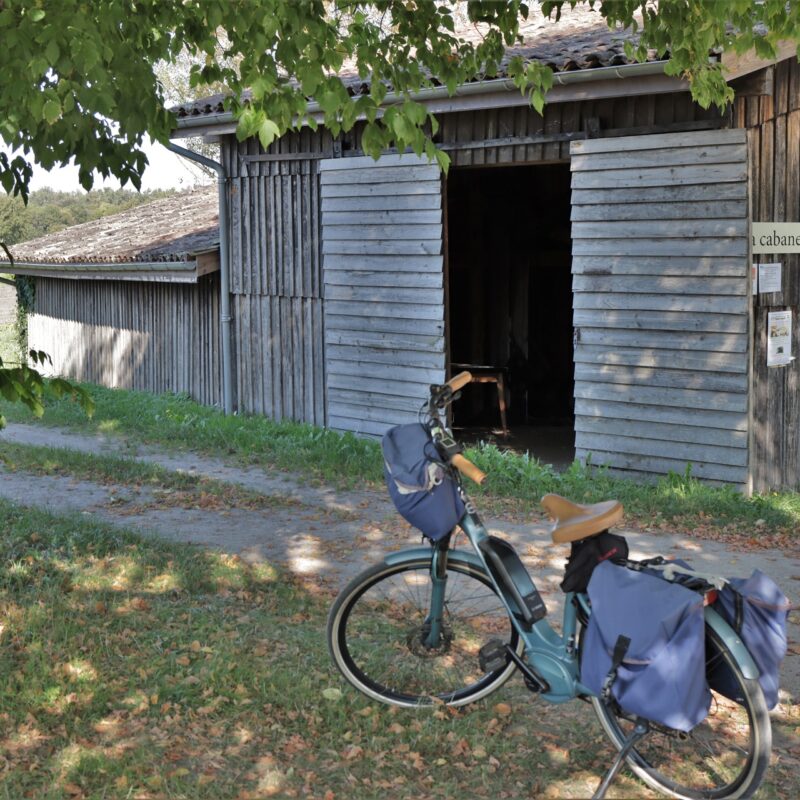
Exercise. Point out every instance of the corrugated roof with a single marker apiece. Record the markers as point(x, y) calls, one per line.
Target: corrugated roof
point(173, 229)
point(581, 40)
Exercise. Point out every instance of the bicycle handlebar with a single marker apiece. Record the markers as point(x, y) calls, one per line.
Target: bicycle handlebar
point(466, 467)
point(457, 381)
point(442, 396)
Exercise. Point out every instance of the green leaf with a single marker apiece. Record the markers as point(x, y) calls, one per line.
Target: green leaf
point(249, 123)
point(329, 102)
point(309, 78)
point(51, 111)
point(267, 133)
point(416, 112)
point(52, 51)
point(36, 14)
point(372, 140)
point(7, 179)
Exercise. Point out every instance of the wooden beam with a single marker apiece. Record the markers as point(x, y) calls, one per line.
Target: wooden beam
point(756, 84)
point(734, 65)
point(207, 262)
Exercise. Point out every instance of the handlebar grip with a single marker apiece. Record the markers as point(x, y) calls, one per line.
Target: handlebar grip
point(466, 467)
point(457, 381)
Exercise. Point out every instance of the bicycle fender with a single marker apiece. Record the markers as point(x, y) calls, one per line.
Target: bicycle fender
point(733, 643)
point(415, 553)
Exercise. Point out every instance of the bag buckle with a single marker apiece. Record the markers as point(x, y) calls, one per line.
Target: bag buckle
point(620, 649)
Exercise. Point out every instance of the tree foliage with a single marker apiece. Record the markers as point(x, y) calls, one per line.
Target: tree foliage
point(79, 80)
point(24, 384)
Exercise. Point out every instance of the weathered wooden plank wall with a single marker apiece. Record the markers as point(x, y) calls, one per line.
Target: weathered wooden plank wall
point(276, 277)
point(462, 133)
point(277, 254)
point(660, 282)
point(8, 303)
point(773, 134)
point(384, 290)
point(157, 337)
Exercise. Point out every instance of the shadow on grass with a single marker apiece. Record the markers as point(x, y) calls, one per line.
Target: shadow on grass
point(134, 668)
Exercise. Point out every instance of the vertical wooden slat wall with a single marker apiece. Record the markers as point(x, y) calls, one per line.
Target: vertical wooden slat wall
point(156, 337)
point(276, 281)
point(772, 122)
point(661, 292)
point(8, 304)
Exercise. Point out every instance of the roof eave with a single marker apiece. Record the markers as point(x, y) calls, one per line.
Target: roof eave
point(603, 81)
point(151, 271)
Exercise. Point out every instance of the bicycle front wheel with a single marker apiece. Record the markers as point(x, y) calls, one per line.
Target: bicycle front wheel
point(377, 633)
point(725, 756)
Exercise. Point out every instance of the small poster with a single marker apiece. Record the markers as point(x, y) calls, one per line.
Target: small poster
point(754, 276)
point(779, 338)
point(769, 278)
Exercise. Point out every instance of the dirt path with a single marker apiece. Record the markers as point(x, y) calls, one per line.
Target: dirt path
point(330, 535)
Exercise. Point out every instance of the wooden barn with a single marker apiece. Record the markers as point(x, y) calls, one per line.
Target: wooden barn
point(132, 300)
point(596, 260)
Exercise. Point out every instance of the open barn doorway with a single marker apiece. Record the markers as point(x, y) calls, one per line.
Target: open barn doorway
point(510, 305)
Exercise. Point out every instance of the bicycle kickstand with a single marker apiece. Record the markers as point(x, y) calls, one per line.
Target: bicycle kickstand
point(640, 730)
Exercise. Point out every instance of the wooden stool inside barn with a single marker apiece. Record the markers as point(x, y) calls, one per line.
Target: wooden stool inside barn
point(484, 374)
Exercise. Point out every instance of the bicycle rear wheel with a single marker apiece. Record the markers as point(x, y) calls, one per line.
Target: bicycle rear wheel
point(377, 629)
point(725, 756)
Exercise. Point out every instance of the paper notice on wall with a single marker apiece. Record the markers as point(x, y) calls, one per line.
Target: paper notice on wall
point(779, 338)
point(769, 278)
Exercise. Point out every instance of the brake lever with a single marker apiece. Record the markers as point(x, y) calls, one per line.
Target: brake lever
point(442, 396)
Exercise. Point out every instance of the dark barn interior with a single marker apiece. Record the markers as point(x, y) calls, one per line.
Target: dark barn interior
point(510, 303)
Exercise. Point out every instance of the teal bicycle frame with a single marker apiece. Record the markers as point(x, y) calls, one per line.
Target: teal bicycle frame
point(553, 658)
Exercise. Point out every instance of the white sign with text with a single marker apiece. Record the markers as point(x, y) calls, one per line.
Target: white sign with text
point(779, 338)
point(769, 278)
point(776, 237)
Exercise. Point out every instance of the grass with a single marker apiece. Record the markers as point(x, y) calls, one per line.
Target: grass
point(675, 502)
point(175, 422)
point(516, 481)
point(151, 671)
point(177, 489)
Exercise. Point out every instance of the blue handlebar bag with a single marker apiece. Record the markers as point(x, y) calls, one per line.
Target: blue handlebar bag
point(419, 485)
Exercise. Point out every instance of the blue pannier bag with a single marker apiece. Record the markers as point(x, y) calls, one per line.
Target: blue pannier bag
point(757, 610)
point(419, 485)
point(645, 646)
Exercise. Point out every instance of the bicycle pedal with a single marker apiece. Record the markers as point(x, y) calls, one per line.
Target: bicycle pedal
point(493, 656)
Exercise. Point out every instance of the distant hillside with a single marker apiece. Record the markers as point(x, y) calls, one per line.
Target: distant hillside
point(48, 211)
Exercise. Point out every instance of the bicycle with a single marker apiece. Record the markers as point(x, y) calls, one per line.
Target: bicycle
point(437, 625)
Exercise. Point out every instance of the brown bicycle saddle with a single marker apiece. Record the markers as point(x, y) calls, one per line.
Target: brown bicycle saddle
point(572, 521)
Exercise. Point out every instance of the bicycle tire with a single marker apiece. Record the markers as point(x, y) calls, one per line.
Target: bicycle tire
point(374, 635)
point(708, 754)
